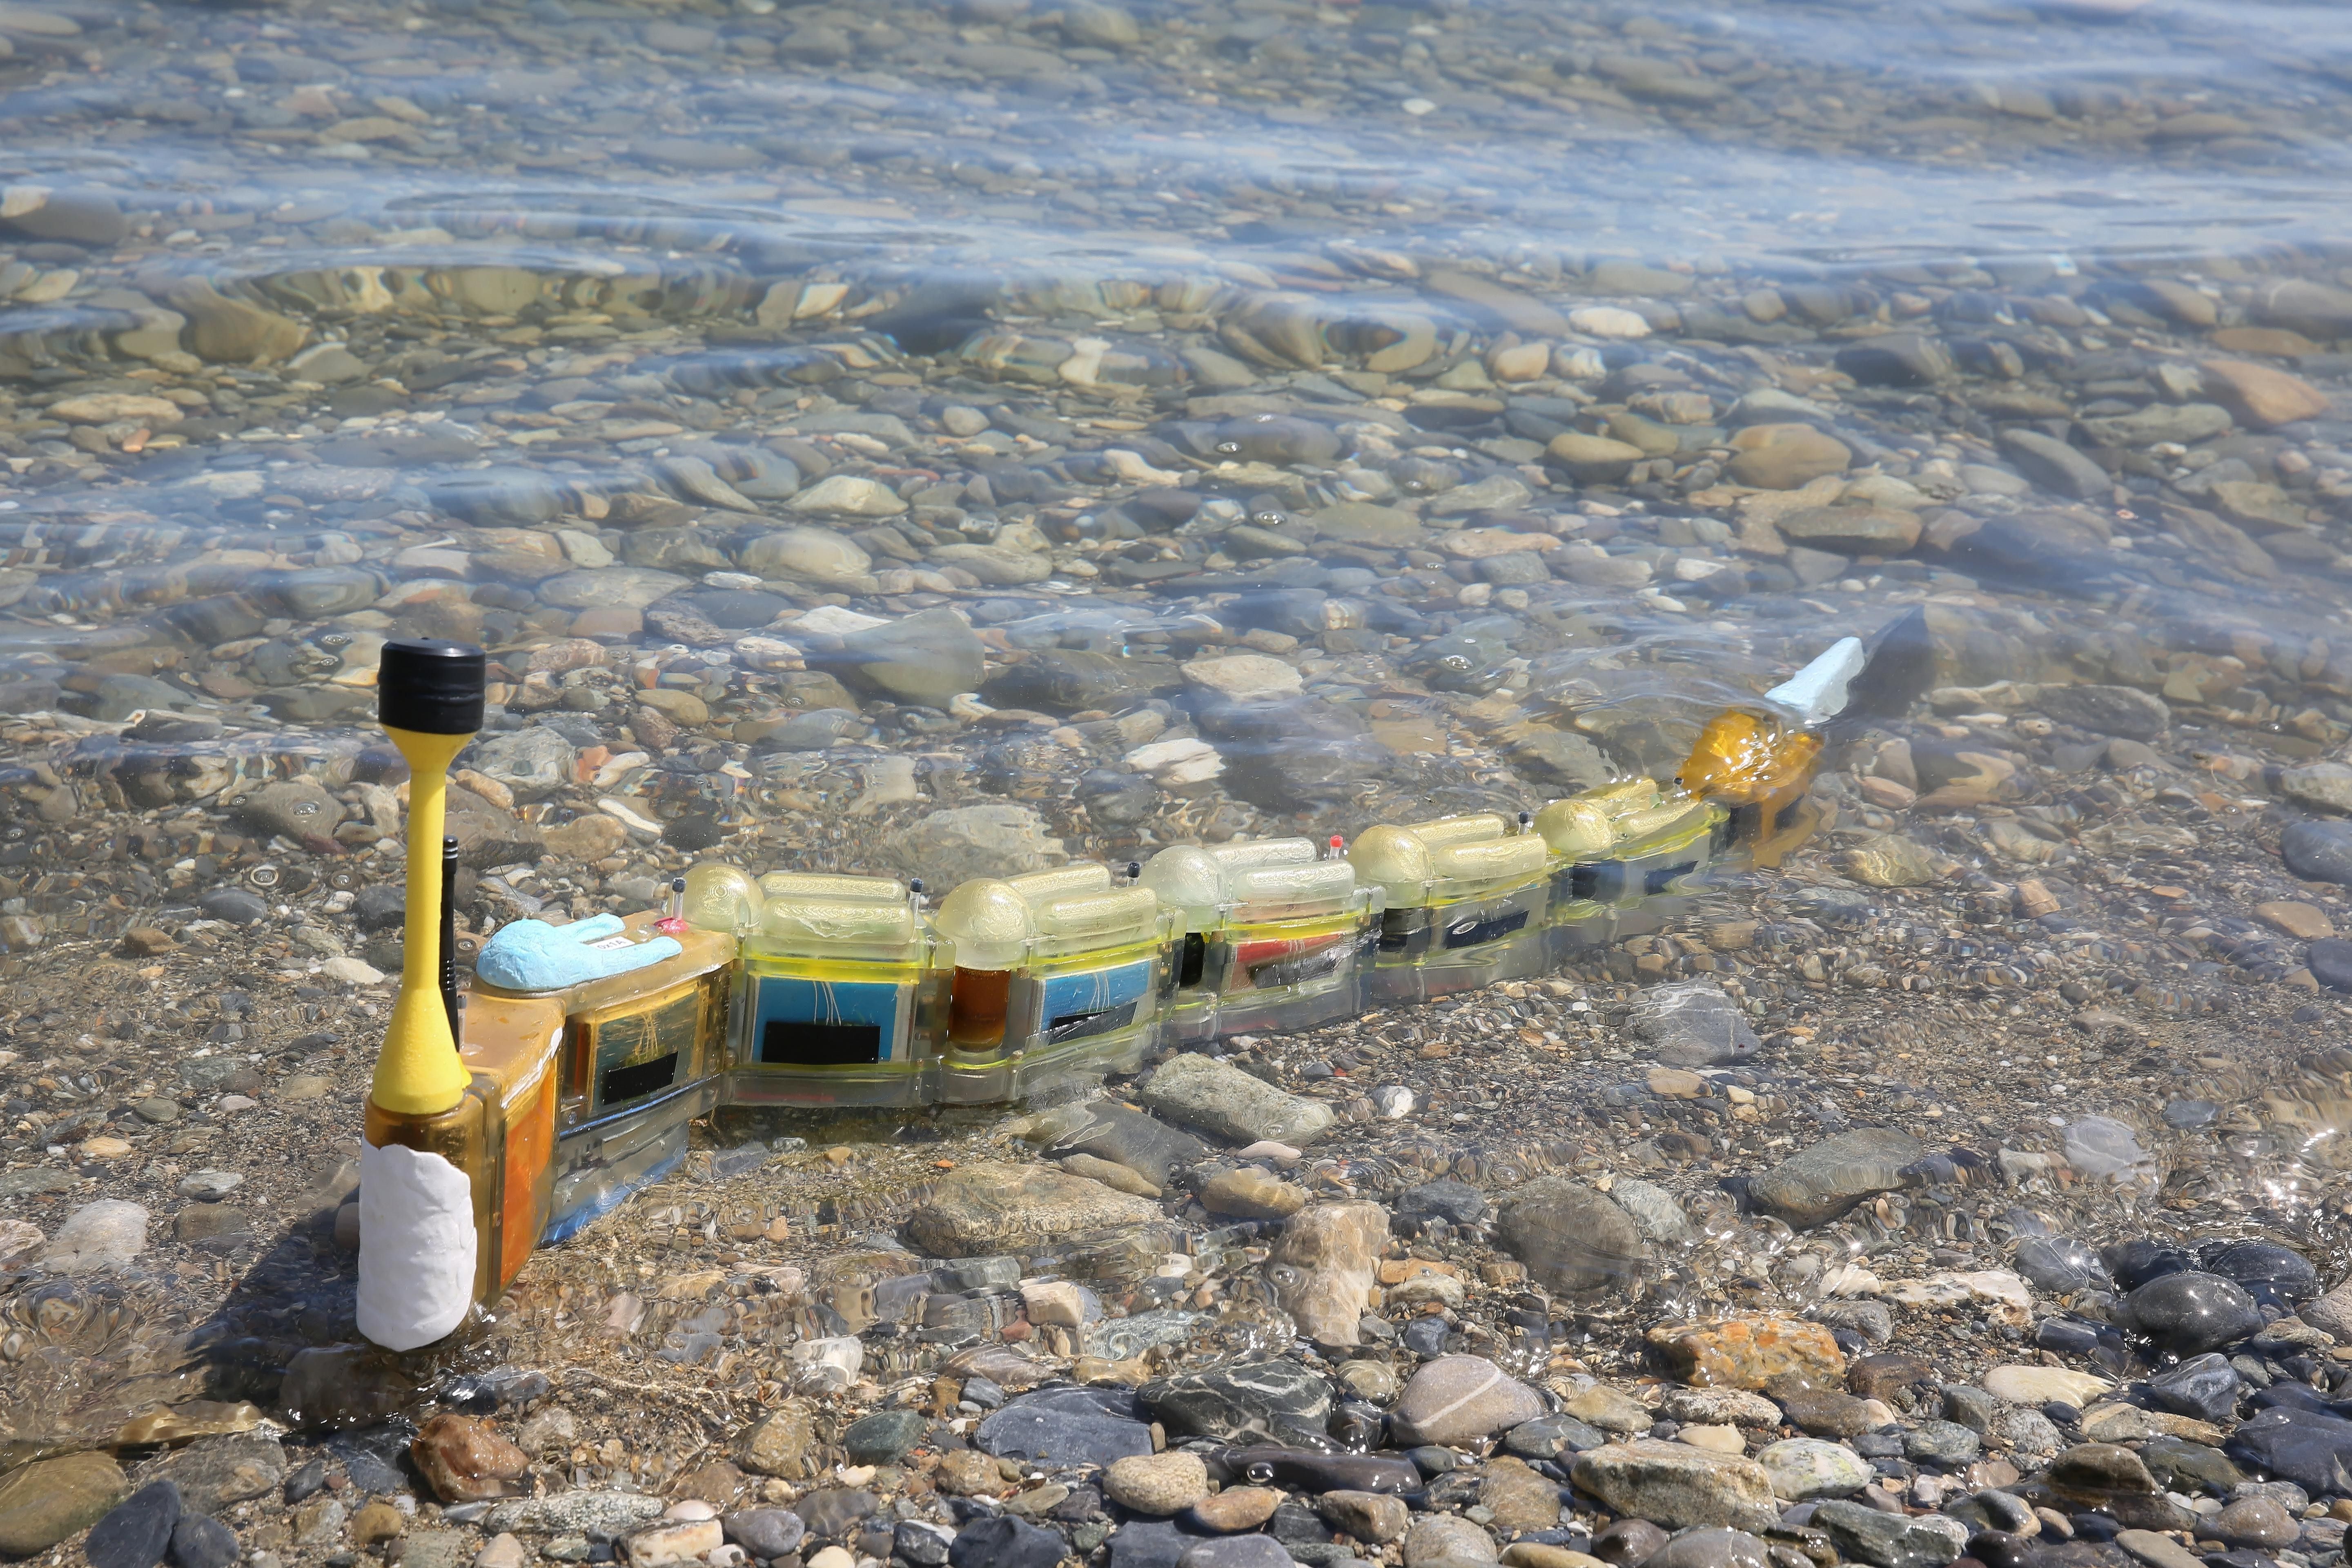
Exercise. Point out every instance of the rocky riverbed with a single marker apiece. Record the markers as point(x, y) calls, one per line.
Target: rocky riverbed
point(946, 440)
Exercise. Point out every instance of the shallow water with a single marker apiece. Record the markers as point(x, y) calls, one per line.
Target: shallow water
point(1526, 381)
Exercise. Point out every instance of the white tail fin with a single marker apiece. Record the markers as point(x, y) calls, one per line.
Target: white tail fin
point(1817, 692)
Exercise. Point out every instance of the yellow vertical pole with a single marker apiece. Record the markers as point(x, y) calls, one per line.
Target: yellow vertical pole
point(418, 1072)
point(430, 698)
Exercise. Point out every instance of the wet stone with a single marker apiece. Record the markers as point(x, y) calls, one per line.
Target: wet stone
point(201, 1541)
point(2107, 709)
point(1889, 1540)
point(2273, 1275)
point(1005, 1542)
point(1267, 1401)
point(1803, 1469)
point(1572, 1238)
point(2204, 1386)
point(829, 1514)
point(1945, 1444)
point(2059, 1266)
point(2189, 1313)
point(214, 1472)
point(1749, 1351)
point(1826, 1180)
point(137, 1531)
point(1824, 1412)
point(1459, 1399)
point(1025, 1430)
point(2319, 851)
point(1458, 1203)
point(883, 1437)
point(1692, 1025)
point(1234, 1510)
point(1712, 1549)
point(982, 1208)
point(463, 1460)
point(1203, 1092)
point(1676, 1485)
point(1157, 1483)
point(2257, 1522)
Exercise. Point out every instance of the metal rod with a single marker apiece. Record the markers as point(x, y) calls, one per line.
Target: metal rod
point(449, 934)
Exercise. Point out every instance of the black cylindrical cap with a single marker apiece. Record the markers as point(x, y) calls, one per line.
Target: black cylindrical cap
point(431, 686)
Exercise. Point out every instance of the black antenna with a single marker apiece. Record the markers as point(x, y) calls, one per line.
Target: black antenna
point(449, 931)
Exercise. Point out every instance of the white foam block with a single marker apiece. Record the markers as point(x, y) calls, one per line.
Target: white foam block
point(1818, 691)
point(416, 1246)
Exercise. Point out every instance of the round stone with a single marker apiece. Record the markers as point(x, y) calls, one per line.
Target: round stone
point(1805, 1469)
point(1157, 1483)
point(2188, 1314)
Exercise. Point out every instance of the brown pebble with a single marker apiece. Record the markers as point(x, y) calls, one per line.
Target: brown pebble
point(1234, 1510)
point(378, 1522)
point(463, 1460)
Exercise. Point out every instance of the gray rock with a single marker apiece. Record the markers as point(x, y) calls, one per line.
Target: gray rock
point(1969, 1405)
point(2122, 710)
point(1889, 1540)
point(1874, 1321)
point(238, 906)
point(1656, 1213)
point(1446, 1538)
point(2190, 1313)
point(1570, 1238)
point(1234, 1552)
point(1458, 1203)
point(2205, 1386)
point(885, 1437)
point(534, 762)
point(1562, 757)
point(1550, 1437)
point(1994, 1509)
point(198, 1542)
point(2104, 1149)
point(814, 731)
point(1947, 1444)
point(2186, 423)
point(2055, 466)
point(954, 845)
point(135, 1533)
point(765, 1532)
point(2059, 1266)
point(2318, 851)
point(576, 1513)
point(1460, 1399)
point(1896, 359)
point(1049, 1434)
point(1818, 1184)
point(1691, 1023)
point(489, 497)
point(1217, 1097)
point(1677, 1485)
point(1806, 1470)
point(107, 1233)
point(214, 1472)
point(1068, 680)
point(1712, 1549)
point(1257, 1402)
point(2025, 1432)
point(1124, 1136)
point(985, 1208)
point(610, 587)
point(927, 658)
point(2327, 786)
